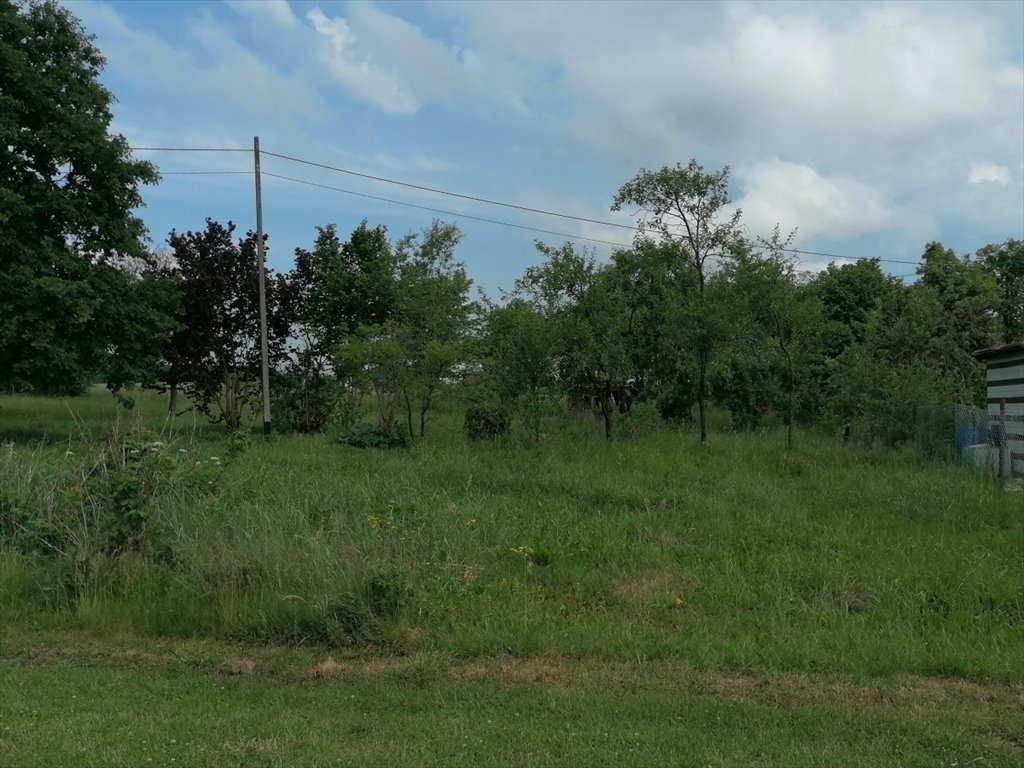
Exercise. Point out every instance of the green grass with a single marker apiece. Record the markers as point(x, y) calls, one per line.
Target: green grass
point(197, 703)
point(625, 562)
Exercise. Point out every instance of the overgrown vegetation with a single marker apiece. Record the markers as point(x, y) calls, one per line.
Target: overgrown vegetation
point(695, 314)
point(735, 556)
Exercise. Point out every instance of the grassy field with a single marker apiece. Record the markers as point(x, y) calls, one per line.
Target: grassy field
point(642, 601)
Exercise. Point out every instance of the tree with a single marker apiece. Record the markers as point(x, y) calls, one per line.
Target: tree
point(781, 320)
point(520, 344)
point(68, 189)
point(917, 348)
point(307, 394)
point(969, 296)
point(217, 350)
point(433, 312)
point(589, 318)
point(1005, 262)
point(687, 206)
point(415, 328)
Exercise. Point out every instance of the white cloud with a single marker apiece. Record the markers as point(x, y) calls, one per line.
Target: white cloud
point(277, 12)
point(993, 173)
point(798, 196)
point(227, 75)
point(364, 79)
point(775, 76)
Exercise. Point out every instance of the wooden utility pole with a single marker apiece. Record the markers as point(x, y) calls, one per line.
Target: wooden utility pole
point(262, 270)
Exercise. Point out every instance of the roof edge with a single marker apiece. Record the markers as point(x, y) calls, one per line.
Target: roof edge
point(1000, 349)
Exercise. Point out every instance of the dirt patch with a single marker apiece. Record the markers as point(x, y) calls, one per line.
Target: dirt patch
point(354, 669)
point(240, 667)
point(662, 586)
point(469, 673)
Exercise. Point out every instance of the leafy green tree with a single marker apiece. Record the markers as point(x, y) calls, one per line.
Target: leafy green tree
point(433, 314)
point(307, 394)
point(68, 189)
point(520, 344)
point(903, 362)
point(917, 348)
point(688, 207)
point(217, 349)
point(655, 285)
point(374, 358)
point(590, 320)
point(142, 322)
point(968, 295)
point(359, 286)
point(849, 294)
point(406, 353)
point(1005, 262)
point(777, 322)
point(847, 297)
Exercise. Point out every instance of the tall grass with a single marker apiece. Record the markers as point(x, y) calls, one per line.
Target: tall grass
point(733, 556)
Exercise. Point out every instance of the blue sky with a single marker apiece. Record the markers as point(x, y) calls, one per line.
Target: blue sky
point(872, 127)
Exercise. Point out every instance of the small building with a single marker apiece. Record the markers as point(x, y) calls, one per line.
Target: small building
point(1004, 379)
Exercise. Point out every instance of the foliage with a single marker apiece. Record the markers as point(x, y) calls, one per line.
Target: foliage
point(432, 315)
point(588, 322)
point(103, 507)
point(482, 423)
point(520, 349)
point(68, 190)
point(653, 546)
point(910, 356)
point(1005, 262)
point(370, 436)
point(688, 207)
point(215, 356)
point(407, 358)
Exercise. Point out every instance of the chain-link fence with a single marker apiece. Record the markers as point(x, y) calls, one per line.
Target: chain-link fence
point(959, 432)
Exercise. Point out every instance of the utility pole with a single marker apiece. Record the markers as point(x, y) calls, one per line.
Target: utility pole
point(262, 267)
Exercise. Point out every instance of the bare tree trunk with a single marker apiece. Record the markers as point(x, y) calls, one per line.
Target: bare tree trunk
point(606, 409)
point(408, 413)
point(536, 418)
point(702, 373)
point(791, 384)
point(172, 402)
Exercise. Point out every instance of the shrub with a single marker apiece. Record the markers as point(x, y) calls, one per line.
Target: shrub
point(309, 406)
point(372, 436)
point(483, 423)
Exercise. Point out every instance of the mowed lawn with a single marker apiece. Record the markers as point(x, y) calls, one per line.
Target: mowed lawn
point(638, 602)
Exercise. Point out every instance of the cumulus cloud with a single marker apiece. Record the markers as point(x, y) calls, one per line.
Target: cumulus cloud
point(223, 72)
point(670, 75)
point(798, 196)
point(993, 173)
point(355, 71)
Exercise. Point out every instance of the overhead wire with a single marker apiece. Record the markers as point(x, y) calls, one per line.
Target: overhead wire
point(207, 173)
point(462, 196)
point(449, 193)
point(442, 211)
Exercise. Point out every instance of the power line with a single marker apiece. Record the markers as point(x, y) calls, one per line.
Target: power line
point(206, 173)
point(850, 258)
point(441, 211)
point(190, 149)
point(474, 198)
point(541, 211)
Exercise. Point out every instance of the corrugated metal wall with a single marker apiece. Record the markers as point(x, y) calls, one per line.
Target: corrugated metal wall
point(1005, 380)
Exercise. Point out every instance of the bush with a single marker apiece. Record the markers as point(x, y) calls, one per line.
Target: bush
point(484, 423)
point(309, 405)
point(372, 436)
